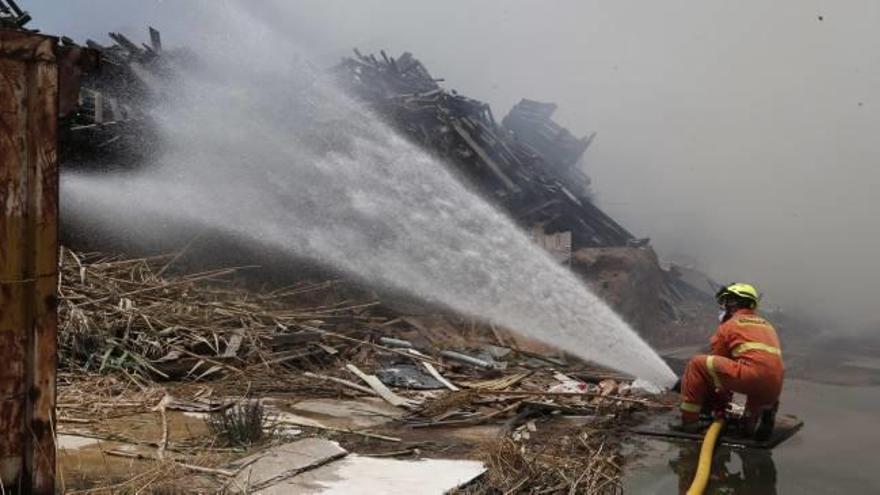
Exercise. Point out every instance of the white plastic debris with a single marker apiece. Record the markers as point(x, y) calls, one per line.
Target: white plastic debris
point(645, 386)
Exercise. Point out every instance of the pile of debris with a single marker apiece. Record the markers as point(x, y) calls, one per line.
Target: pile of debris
point(138, 341)
point(11, 15)
point(130, 316)
point(109, 125)
point(106, 94)
point(580, 460)
point(529, 165)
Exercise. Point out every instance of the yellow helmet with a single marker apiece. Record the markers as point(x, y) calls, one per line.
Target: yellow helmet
point(740, 290)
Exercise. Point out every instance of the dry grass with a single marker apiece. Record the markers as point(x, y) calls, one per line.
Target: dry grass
point(129, 317)
point(578, 461)
point(158, 477)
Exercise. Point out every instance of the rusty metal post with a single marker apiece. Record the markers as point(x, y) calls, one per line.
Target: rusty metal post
point(28, 260)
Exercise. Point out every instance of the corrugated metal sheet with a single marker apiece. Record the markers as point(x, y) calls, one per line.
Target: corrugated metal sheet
point(28, 259)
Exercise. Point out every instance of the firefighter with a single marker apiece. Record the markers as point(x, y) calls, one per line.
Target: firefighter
point(745, 358)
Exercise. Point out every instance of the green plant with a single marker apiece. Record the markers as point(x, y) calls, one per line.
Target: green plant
point(243, 424)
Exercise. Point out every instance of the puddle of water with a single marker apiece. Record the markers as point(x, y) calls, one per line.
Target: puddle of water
point(73, 442)
point(147, 427)
point(84, 460)
point(82, 464)
point(835, 451)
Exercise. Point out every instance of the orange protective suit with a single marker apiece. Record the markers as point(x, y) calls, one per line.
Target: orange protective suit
point(746, 358)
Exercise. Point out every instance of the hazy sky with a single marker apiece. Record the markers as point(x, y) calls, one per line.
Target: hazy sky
point(743, 134)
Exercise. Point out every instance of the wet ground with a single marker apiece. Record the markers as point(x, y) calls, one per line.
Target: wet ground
point(835, 452)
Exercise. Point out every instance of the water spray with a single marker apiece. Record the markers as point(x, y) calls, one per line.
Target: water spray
point(260, 148)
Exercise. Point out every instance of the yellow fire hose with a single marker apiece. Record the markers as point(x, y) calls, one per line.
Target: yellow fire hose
point(701, 479)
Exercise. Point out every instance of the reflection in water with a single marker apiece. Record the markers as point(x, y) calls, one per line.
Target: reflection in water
point(835, 452)
point(734, 471)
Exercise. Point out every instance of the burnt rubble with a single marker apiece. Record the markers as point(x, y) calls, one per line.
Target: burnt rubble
point(11, 15)
point(528, 164)
point(105, 96)
point(307, 362)
point(110, 126)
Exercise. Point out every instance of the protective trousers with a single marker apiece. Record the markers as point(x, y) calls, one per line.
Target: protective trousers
point(709, 382)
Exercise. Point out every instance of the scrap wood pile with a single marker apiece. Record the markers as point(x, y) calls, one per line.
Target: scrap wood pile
point(102, 91)
point(136, 338)
point(107, 107)
point(134, 319)
point(12, 16)
point(130, 316)
point(583, 460)
point(528, 164)
point(553, 432)
point(558, 433)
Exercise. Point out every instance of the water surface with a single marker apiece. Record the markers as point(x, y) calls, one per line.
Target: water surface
point(835, 451)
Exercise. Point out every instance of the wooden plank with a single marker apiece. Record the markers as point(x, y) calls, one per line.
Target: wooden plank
point(155, 40)
point(341, 381)
point(43, 355)
point(99, 108)
point(13, 317)
point(485, 157)
point(296, 338)
point(498, 384)
point(321, 426)
point(476, 387)
point(233, 346)
point(437, 376)
point(380, 388)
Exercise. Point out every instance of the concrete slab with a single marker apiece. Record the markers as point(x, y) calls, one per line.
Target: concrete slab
point(356, 475)
point(267, 470)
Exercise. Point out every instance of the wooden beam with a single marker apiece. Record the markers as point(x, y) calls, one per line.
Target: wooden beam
point(509, 184)
point(380, 388)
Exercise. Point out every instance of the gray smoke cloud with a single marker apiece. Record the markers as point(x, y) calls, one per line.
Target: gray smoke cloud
point(739, 135)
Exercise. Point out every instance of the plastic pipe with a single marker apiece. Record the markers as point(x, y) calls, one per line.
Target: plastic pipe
point(704, 466)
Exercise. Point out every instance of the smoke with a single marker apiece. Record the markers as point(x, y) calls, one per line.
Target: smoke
point(740, 135)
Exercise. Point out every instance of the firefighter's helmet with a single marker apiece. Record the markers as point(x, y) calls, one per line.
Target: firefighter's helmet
point(740, 291)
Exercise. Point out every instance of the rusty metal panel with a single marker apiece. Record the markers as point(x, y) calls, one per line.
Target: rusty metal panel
point(28, 260)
